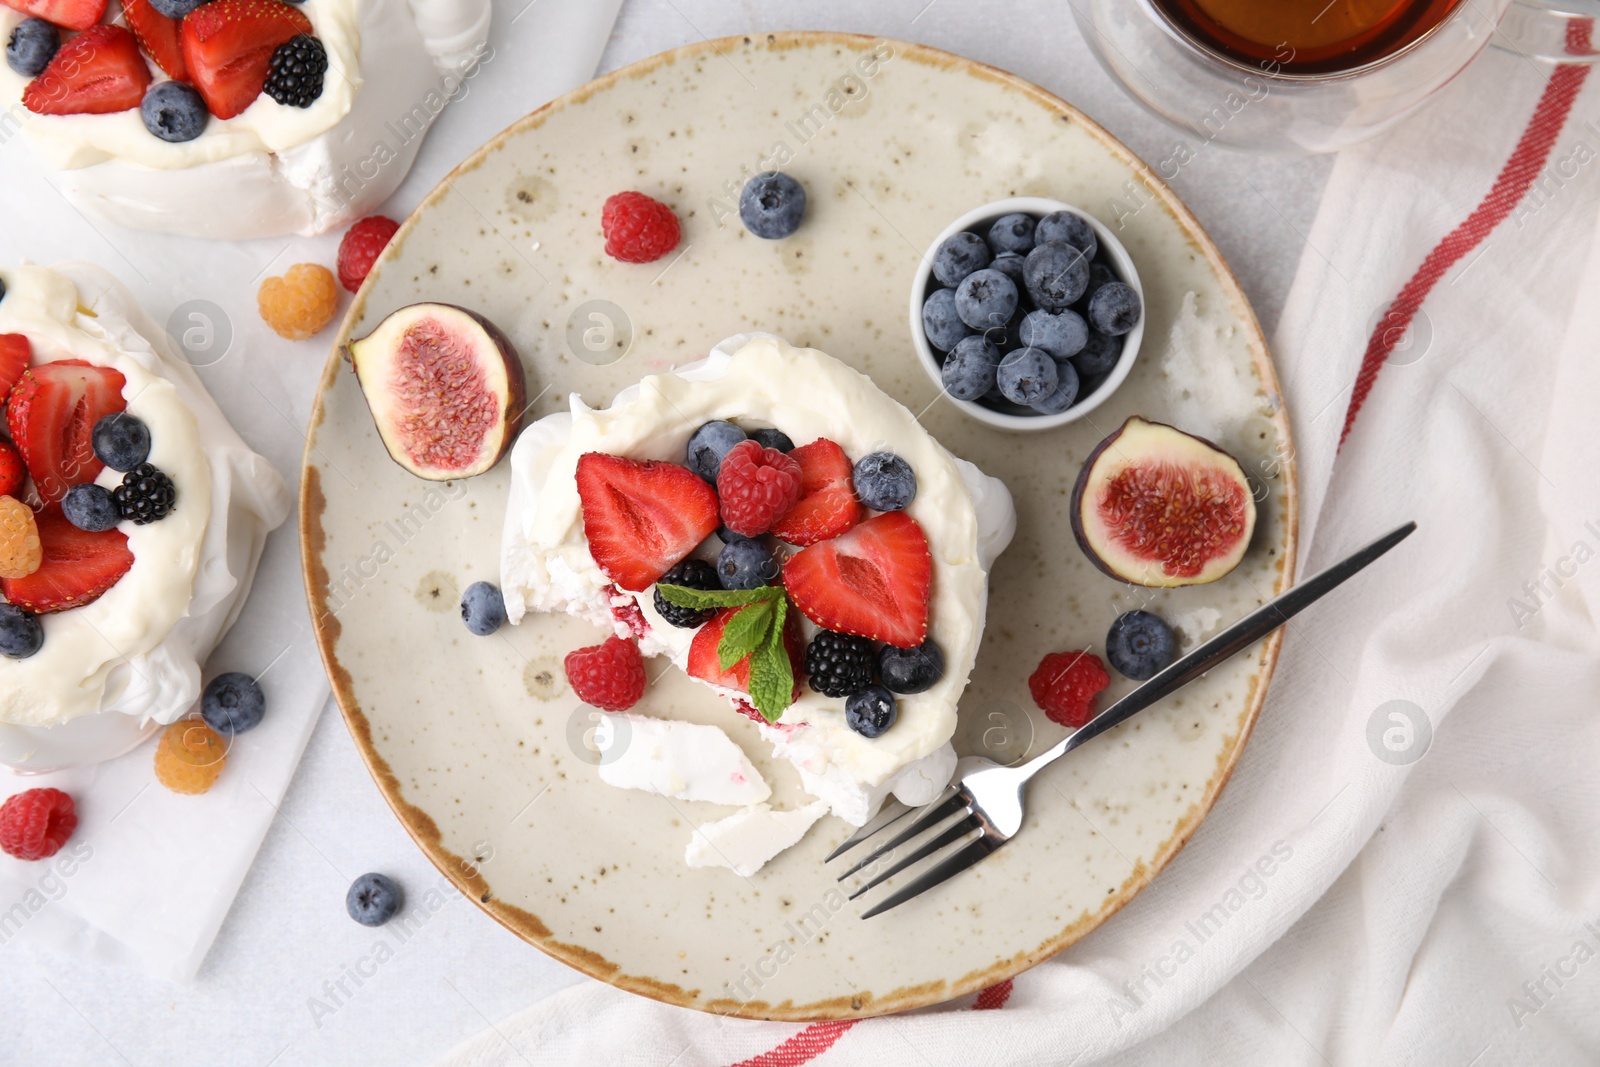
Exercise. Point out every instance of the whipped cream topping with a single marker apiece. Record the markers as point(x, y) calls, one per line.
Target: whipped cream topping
point(137, 650)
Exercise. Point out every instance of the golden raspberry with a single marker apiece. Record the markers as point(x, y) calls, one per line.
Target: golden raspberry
point(189, 756)
point(21, 552)
point(301, 302)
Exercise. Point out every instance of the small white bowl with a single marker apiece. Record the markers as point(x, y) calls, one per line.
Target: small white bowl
point(979, 219)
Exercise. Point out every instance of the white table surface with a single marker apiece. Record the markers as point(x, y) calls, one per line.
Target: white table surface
point(287, 944)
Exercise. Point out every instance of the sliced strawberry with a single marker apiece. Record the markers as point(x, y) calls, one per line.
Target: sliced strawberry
point(158, 36)
point(706, 665)
point(15, 355)
point(227, 45)
point(828, 505)
point(78, 566)
point(72, 14)
point(873, 581)
point(640, 518)
point(12, 471)
point(51, 415)
point(97, 72)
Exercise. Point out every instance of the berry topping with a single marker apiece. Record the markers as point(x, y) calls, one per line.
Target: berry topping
point(373, 899)
point(746, 564)
point(31, 46)
point(175, 9)
point(21, 551)
point(873, 581)
point(772, 205)
point(1065, 227)
point(1066, 392)
point(121, 441)
point(295, 71)
point(940, 321)
point(174, 112)
point(52, 413)
point(15, 355)
point(157, 34)
point(360, 247)
point(233, 703)
point(228, 46)
point(76, 566)
point(771, 438)
point(35, 824)
point(757, 487)
point(641, 518)
point(637, 228)
point(1139, 645)
point(827, 506)
point(21, 633)
point(911, 670)
point(146, 495)
point(709, 444)
point(483, 608)
point(1012, 233)
point(68, 14)
point(1055, 275)
point(870, 712)
point(97, 72)
point(190, 756)
point(1027, 376)
point(884, 481)
point(12, 470)
point(91, 507)
point(705, 663)
point(691, 574)
point(1065, 684)
point(609, 676)
point(958, 256)
point(1061, 334)
point(1114, 309)
point(299, 304)
point(839, 664)
point(969, 370)
point(986, 299)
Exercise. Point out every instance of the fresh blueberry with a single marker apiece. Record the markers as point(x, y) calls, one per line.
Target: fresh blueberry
point(91, 508)
point(1027, 376)
point(174, 111)
point(940, 322)
point(1139, 645)
point(773, 439)
point(969, 369)
point(121, 441)
point(1061, 334)
point(483, 608)
point(1065, 394)
point(1012, 233)
point(884, 482)
point(772, 205)
point(175, 9)
point(1099, 274)
point(911, 670)
point(870, 712)
point(373, 899)
point(1068, 229)
point(1114, 309)
point(986, 299)
point(1055, 275)
point(233, 703)
point(960, 255)
point(21, 633)
point(709, 444)
point(728, 537)
point(1010, 264)
point(1100, 353)
point(32, 46)
point(746, 565)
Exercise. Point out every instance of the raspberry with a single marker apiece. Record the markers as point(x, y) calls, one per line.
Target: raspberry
point(35, 824)
point(757, 487)
point(609, 676)
point(21, 551)
point(189, 756)
point(300, 303)
point(637, 228)
point(1065, 684)
point(360, 246)
point(12, 470)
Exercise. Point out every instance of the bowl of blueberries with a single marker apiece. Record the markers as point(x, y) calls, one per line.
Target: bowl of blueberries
point(1027, 313)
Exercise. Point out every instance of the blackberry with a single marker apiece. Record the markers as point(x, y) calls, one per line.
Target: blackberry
point(145, 495)
point(696, 574)
point(294, 73)
point(839, 664)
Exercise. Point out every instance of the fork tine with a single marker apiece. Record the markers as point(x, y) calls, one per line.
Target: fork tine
point(945, 868)
point(955, 833)
point(884, 819)
point(933, 813)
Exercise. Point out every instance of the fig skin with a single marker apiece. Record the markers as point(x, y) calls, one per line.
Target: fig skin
point(1223, 461)
point(515, 387)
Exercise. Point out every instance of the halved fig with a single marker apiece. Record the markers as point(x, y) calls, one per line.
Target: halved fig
point(1159, 507)
point(445, 388)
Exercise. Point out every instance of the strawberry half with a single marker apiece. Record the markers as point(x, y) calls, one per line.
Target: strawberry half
point(158, 36)
point(12, 470)
point(15, 355)
point(97, 72)
point(72, 14)
point(706, 665)
point(873, 581)
point(640, 518)
point(51, 415)
point(78, 566)
point(227, 45)
point(827, 506)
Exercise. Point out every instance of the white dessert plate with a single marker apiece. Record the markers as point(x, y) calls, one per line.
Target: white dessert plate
point(478, 744)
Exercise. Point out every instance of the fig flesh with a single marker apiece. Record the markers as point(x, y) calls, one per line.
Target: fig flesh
point(1155, 506)
point(445, 388)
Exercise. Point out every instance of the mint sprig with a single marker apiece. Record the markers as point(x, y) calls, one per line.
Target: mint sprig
point(755, 632)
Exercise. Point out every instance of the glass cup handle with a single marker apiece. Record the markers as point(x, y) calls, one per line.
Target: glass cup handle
point(1555, 31)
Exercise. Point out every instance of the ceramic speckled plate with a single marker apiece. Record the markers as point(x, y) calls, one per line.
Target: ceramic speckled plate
point(475, 742)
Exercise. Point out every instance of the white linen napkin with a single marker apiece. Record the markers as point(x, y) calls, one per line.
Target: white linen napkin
point(1421, 784)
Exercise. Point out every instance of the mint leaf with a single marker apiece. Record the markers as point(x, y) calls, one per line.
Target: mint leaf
point(700, 599)
point(771, 675)
point(745, 632)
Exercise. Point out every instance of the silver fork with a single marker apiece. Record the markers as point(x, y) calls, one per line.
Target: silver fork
point(989, 796)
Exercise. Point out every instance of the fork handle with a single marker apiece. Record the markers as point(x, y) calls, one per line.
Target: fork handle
point(1241, 635)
